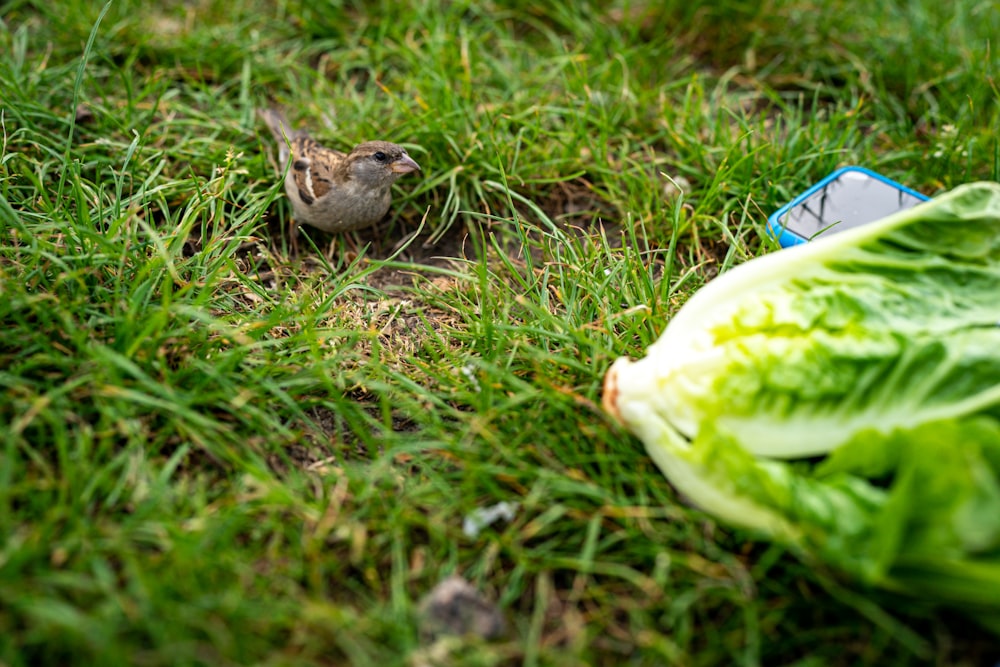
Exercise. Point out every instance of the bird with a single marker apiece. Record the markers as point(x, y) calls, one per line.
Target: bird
point(331, 190)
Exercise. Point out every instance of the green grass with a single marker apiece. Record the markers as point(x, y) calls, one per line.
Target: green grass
point(214, 454)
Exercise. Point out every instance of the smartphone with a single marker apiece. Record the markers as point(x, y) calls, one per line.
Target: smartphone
point(847, 198)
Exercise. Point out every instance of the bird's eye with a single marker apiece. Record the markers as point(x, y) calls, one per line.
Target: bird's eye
point(380, 156)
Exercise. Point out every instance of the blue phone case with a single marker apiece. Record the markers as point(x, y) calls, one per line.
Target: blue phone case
point(789, 238)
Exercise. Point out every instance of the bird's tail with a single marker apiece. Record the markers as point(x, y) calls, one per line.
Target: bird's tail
point(276, 120)
point(278, 124)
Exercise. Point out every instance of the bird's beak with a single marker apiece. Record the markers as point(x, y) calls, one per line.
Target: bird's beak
point(405, 165)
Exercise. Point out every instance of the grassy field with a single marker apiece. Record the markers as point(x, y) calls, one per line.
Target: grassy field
point(215, 453)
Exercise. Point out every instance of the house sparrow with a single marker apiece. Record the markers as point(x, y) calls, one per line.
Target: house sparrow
point(331, 190)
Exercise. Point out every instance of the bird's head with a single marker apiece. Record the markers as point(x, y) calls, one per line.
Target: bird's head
point(380, 163)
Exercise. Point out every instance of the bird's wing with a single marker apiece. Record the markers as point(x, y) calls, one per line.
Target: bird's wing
point(315, 168)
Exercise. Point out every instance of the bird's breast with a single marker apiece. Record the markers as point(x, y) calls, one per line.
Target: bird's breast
point(343, 207)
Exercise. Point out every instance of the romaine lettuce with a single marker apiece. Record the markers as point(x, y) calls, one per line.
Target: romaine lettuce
point(877, 349)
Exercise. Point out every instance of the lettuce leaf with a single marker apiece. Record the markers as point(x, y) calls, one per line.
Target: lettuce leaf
point(877, 349)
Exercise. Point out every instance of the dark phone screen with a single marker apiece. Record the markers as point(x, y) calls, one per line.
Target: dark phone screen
point(850, 200)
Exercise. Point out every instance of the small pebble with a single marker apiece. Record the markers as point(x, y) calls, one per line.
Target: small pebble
point(454, 607)
point(675, 186)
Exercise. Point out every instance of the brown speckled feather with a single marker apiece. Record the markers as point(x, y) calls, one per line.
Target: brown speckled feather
point(322, 172)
